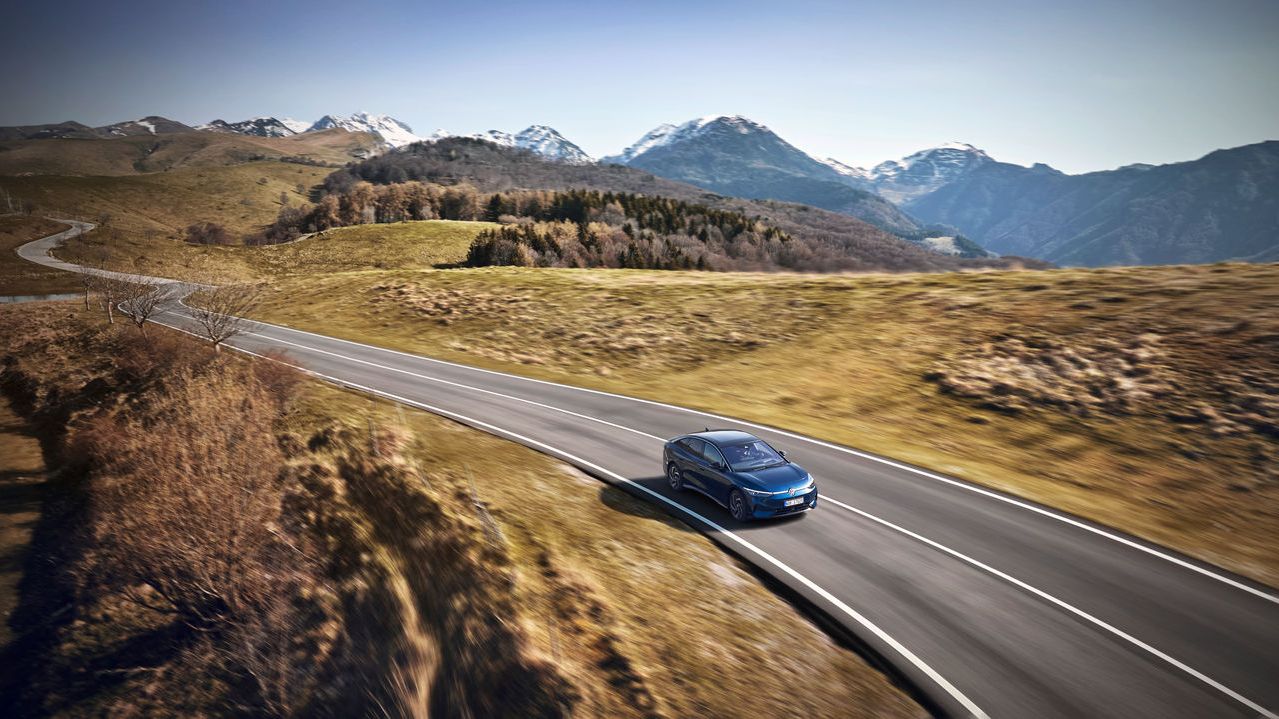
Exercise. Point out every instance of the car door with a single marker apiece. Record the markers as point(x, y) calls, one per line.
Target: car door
point(690, 459)
point(715, 473)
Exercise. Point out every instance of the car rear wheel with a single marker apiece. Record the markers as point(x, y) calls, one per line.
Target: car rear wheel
point(674, 478)
point(737, 506)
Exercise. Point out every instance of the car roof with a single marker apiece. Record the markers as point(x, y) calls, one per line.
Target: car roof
point(724, 436)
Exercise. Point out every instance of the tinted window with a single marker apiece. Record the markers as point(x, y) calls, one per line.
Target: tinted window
point(755, 454)
point(692, 446)
point(711, 454)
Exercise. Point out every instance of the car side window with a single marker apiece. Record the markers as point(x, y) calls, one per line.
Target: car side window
point(711, 453)
point(692, 446)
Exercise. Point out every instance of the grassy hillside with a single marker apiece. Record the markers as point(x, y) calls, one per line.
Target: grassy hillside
point(242, 197)
point(168, 152)
point(430, 575)
point(19, 277)
point(1143, 398)
point(401, 245)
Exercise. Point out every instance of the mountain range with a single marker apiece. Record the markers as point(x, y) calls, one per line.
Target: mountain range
point(1224, 206)
point(736, 156)
point(954, 197)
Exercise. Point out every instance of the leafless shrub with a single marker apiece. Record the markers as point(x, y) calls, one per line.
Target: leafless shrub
point(187, 508)
point(110, 292)
point(221, 312)
point(142, 301)
point(208, 233)
point(186, 540)
point(278, 376)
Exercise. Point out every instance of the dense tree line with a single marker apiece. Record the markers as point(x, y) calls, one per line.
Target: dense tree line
point(821, 241)
point(567, 244)
point(571, 228)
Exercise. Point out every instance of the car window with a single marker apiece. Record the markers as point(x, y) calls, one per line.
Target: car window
point(755, 454)
point(691, 445)
point(711, 454)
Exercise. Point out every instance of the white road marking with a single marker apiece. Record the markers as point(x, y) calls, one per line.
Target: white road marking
point(839, 448)
point(1066, 606)
point(932, 674)
point(1066, 519)
point(883, 522)
point(853, 614)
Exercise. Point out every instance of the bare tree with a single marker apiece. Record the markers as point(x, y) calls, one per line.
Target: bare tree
point(142, 300)
point(110, 292)
point(87, 283)
point(220, 312)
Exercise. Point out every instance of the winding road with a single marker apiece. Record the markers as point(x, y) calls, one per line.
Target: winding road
point(987, 604)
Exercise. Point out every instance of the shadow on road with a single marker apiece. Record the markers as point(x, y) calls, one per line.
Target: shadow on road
point(639, 504)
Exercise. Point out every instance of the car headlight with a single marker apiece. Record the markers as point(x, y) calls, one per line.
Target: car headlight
point(812, 482)
point(756, 492)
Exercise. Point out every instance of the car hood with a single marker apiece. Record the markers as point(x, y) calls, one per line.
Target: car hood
point(775, 479)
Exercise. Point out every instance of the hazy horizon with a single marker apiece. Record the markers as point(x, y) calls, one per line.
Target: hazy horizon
point(1089, 87)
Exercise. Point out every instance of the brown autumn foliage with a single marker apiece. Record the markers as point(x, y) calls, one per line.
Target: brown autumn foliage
point(204, 561)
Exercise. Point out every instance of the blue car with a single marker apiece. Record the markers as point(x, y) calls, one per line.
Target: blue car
point(741, 472)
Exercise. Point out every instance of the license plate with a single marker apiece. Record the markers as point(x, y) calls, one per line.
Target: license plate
point(793, 502)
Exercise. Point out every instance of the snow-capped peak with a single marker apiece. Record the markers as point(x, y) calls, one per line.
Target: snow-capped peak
point(392, 131)
point(845, 169)
point(258, 127)
point(540, 139)
point(653, 138)
point(667, 134)
point(297, 127)
point(942, 160)
point(549, 143)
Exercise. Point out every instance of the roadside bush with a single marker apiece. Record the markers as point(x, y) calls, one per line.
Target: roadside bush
point(208, 233)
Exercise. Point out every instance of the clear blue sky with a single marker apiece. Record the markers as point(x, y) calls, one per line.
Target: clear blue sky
point(1081, 85)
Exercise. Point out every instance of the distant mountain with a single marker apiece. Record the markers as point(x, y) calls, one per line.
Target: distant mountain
point(258, 127)
point(734, 155)
point(150, 125)
point(861, 175)
point(61, 130)
point(543, 140)
point(392, 131)
point(924, 171)
point(1219, 207)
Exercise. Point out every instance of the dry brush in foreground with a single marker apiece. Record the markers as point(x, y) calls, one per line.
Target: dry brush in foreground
point(224, 537)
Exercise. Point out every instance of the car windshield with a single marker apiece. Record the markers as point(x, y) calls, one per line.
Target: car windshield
point(750, 456)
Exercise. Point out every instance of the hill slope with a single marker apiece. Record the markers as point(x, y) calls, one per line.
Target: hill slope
point(138, 154)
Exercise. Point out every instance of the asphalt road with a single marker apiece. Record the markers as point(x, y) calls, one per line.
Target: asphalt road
point(989, 605)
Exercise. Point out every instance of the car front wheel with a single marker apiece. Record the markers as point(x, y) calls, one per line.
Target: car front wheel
point(674, 478)
point(737, 506)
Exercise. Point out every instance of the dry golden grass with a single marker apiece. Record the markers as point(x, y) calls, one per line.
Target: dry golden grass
point(164, 153)
point(607, 586)
point(21, 480)
point(19, 277)
point(152, 207)
point(403, 245)
point(576, 591)
point(1180, 448)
